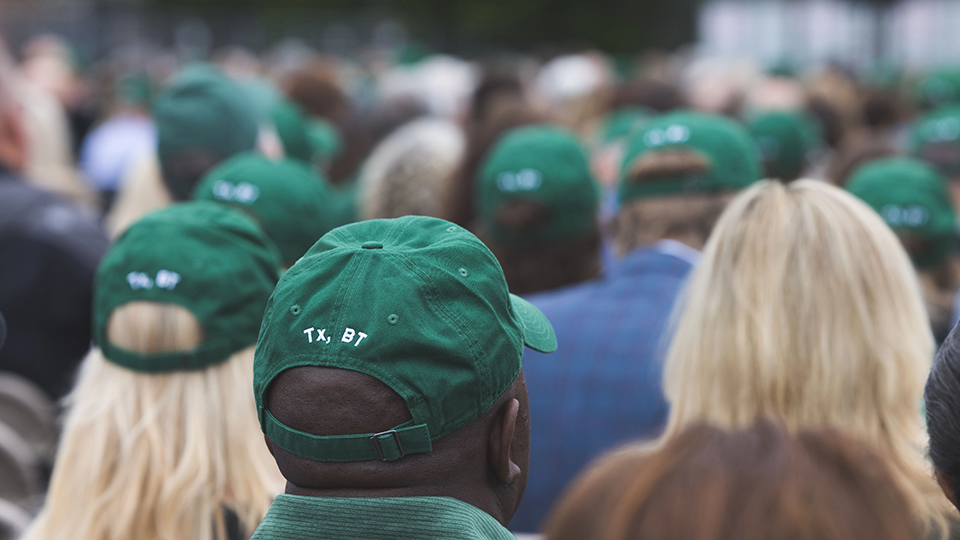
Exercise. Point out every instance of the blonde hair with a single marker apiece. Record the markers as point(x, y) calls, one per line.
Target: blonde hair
point(806, 307)
point(408, 173)
point(158, 456)
point(142, 191)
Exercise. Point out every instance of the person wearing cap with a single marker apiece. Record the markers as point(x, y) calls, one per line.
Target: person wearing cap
point(935, 138)
point(126, 134)
point(788, 142)
point(389, 386)
point(290, 202)
point(292, 128)
point(603, 387)
point(537, 205)
point(912, 199)
point(202, 118)
point(938, 88)
point(49, 251)
point(160, 438)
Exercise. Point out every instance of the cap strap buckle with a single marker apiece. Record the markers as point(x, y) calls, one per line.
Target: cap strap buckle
point(378, 449)
point(389, 445)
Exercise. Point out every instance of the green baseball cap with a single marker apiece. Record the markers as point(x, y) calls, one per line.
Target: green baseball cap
point(206, 257)
point(939, 87)
point(289, 200)
point(544, 165)
point(622, 122)
point(204, 115)
point(325, 140)
point(912, 198)
point(786, 141)
point(726, 146)
point(291, 126)
point(936, 139)
point(415, 302)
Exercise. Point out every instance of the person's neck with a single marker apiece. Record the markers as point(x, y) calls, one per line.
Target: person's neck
point(483, 499)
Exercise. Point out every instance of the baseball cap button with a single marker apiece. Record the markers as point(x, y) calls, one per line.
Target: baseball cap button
point(371, 245)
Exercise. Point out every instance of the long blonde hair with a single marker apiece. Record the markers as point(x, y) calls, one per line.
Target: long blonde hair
point(158, 456)
point(806, 307)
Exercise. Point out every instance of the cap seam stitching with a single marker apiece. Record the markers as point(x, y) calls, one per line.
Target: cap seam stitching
point(457, 323)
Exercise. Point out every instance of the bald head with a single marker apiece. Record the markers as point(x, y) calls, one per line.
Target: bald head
point(484, 463)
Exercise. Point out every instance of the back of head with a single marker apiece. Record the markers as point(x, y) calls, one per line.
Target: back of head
point(202, 118)
point(537, 203)
point(938, 88)
point(157, 438)
point(317, 90)
point(286, 198)
point(460, 207)
point(788, 142)
point(677, 175)
point(389, 363)
point(942, 401)
point(936, 139)
point(743, 485)
point(805, 307)
point(914, 200)
point(408, 173)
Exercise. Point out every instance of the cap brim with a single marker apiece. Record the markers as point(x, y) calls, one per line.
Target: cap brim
point(537, 331)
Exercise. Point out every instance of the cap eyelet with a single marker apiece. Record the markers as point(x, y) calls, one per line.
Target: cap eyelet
point(463, 272)
point(393, 318)
point(451, 228)
point(295, 310)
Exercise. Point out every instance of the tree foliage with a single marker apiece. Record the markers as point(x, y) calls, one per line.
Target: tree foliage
point(465, 25)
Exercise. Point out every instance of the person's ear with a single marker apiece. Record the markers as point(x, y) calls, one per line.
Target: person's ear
point(13, 139)
point(947, 486)
point(501, 443)
point(268, 442)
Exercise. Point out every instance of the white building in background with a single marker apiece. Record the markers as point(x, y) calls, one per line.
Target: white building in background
point(913, 33)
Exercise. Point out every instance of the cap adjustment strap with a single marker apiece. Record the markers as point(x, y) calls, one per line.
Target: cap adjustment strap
point(212, 352)
point(389, 445)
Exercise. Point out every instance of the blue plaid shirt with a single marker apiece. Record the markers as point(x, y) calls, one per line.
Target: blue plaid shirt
point(602, 387)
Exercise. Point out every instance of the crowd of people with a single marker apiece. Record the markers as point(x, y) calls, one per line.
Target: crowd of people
point(567, 296)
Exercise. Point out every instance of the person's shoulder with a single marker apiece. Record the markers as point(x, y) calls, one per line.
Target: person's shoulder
point(32, 213)
point(567, 296)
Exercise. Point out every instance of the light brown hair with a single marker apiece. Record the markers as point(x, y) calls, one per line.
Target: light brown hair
point(805, 307)
point(755, 484)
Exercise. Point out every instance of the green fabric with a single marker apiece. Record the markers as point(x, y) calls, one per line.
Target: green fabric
point(263, 95)
point(291, 126)
point(135, 88)
point(205, 257)
point(325, 140)
point(938, 88)
point(734, 161)
point(296, 517)
point(541, 164)
point(936, 139)
point(786, 141)
point(623, 122)
point(346, 202)
point(290, 201)
point(912, 198)
point(203, 113)
point(416, 302)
